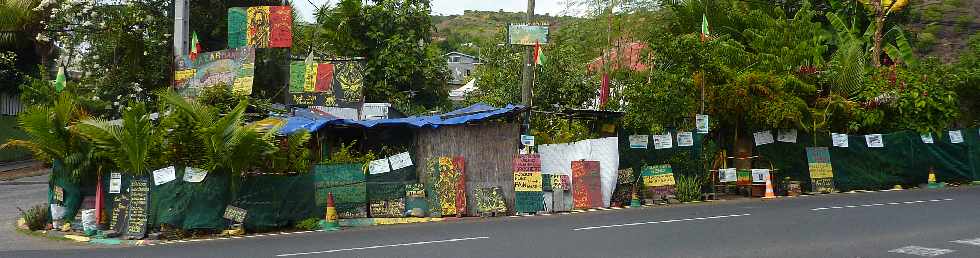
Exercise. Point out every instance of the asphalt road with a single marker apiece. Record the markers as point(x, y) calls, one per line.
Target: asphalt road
point(913, 223)
point(23, 193)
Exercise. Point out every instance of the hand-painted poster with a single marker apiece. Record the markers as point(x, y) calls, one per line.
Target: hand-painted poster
point(490, 200)
point(280, 26)
point(348, 184)
point(415, 202)
point(258, 26)
point(237, 26)
point(333, 83)
point(448, 190)
point(624, 186)
point(586, 185)
point(231, 68)
point(527, 35)
point(528, 196)
point(743, 177)
point(821, 171)
point(659, 181)
point(388, 208)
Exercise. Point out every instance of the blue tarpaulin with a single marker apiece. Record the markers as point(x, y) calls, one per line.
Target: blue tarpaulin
point(473, 113)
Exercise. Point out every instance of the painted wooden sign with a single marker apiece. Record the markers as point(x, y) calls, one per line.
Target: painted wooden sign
point(659, 181)
point(333, 83)
point(490, 200)
point(448, 195)
point(528, 196)
point(586, 184)
point(821, 170)
point(388, 208)
point(233, 68)
point(235, 214)
point(136, 214)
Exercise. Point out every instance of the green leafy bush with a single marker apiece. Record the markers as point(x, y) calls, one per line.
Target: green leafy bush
point(308, 224)
point(689, 188)
point(37, 217)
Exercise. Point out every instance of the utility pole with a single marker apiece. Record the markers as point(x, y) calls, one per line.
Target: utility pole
point(527, 74)
point(181, 26)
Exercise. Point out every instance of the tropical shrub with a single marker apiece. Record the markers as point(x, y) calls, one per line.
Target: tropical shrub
point(689, 188)
point(37, 217)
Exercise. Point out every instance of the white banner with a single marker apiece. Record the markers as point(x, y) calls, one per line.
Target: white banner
point(840, 140)
point(759, 175)
point(400, 161)
point(763, 138)
point(875, 141)
point(164, 175)
point(956, 136)
point(379, 166)
point(194, 175)
point(787, 135)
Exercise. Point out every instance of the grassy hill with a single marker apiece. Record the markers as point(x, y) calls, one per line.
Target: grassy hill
point(465, 33)
point(943, 27)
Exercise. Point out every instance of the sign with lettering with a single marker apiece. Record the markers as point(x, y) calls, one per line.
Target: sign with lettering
point(763, 137)
point(839, 139)
point(875, 140)
point(388, 208)
point(821, 171)
point(560, 183)
point(760, 175)
point(400, 161)
point(321, 83)
point(416, 190)
point(639, 141)
point(232, 68)
point(927, 138)
point(726, 175)
point(117, 219)
point(662, 141)
point(379, 166)
point(744, 177)
point(194, 175)
point(164, 175)
point(235, 214)
point(786, 135)
point(59, 194)
point(527, 140)
point(115, 182)
point(527, 35)
point(956, 136)
point(702, 123)
point(685, 139)
point(658, 180)
point(527, 181)
point(136, 214)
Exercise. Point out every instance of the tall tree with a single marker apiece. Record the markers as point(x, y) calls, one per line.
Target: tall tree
point(394, 36)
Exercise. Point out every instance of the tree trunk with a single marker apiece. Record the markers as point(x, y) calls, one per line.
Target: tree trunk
point(879, 26)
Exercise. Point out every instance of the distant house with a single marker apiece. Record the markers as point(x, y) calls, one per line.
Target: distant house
point(460, 67)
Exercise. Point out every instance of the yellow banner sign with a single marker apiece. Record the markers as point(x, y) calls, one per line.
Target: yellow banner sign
point(821, 170)
point(659, 180)
point(183, 75)
point(527, 181)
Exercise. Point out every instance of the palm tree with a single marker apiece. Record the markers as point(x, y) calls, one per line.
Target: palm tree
point(50, 139)
point(130, 145)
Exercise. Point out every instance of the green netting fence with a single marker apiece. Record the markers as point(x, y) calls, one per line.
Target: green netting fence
point(390, 185)
point(276, 201)
point(905, 159)
point(348, 184)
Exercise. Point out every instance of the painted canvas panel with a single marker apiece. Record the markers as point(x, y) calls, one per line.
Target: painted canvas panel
point(490, 200)
point(586, 184)
point(281, 26)
point(528, 196)
point(448, 189)
point(659, 181)
point(323, 83)
point(528, 35)
point(237, 26)
point(258, 26)
point(324, 78)
point(821, 170)
point(233, 68)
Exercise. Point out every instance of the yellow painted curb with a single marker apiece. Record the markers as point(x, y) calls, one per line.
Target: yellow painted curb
point(78, 238)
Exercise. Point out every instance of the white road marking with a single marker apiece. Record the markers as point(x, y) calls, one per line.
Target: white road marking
point(662, 221)
point(921, 251)
point(384, 246)
point(975, 241)
point(880, 204)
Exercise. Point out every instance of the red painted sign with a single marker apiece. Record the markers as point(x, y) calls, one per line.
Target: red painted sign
point(324, 78)
point(281, 26)
point(586, 185)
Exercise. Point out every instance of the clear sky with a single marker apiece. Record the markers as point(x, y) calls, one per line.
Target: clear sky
point(447, 7)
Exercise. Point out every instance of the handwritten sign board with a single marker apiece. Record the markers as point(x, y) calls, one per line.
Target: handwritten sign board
point(117, 219)
point(821, 171)
point(528, 183)
point(640, 141)
point(235, 214)
point(659, 181)
point(136, 215)
point(388, 208)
